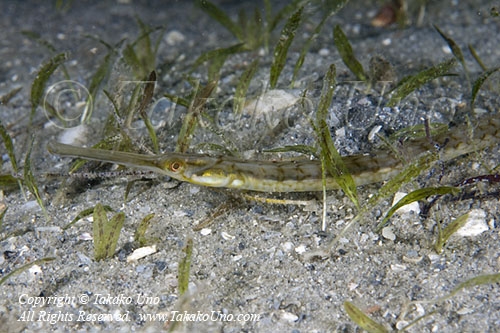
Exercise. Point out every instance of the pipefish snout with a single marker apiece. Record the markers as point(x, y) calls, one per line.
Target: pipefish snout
point(288, 176)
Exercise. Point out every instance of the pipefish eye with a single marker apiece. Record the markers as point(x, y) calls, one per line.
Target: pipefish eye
point(176, 166)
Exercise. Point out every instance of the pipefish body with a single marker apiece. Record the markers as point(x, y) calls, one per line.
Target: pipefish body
point(288, 176)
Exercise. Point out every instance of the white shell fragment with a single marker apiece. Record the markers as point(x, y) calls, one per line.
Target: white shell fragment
point(373, 133)
point(476, 224)
point(398, 268)
point(272, 100)
point(465, 311)
point(35, 270)
point(205, 231)
point(85, 236)
point(407, 209)
point(401, 324)
point(227, 236)
point(48, 229)
point(74, 135)
point(141, 253)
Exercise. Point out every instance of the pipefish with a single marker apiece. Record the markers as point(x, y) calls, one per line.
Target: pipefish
point(289, 176)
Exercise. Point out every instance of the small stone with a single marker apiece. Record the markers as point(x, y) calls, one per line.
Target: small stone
point(300, 249)
point(174, 37)
point(288, 316)
point(446, 49)
point(388, 233)
point(287, 246)
point(324, 52)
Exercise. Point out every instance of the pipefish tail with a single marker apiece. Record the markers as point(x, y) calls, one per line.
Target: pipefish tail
point(287, 176)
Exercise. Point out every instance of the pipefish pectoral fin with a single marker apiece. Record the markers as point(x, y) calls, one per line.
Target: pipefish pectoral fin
point(155, 163)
